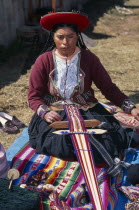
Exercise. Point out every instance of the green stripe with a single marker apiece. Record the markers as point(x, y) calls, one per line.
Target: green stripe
point(62, 174)
point(66, 190)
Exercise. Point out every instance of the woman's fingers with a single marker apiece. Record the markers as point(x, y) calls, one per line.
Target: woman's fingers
point(135, 113)
point(52, 116)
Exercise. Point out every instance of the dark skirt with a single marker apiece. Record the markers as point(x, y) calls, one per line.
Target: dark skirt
point(43, 139)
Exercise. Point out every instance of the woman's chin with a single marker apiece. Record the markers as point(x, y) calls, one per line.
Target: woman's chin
point(65, 52)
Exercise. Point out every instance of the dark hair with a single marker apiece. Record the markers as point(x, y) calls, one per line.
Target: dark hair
point(62, 25)
point(50, 45)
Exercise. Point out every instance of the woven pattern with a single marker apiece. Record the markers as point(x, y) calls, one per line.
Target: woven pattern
point(127, 120)
point(84, 154)
point(4, 166)
point(66, 177)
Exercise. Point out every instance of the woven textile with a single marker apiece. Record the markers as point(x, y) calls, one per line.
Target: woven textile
point(4, 166)
point(131, 192)
point(132, 206)
point(84, 154)
point(127, 120)
point(67, 179)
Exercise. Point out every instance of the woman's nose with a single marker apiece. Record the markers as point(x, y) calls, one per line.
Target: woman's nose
point(65, 40)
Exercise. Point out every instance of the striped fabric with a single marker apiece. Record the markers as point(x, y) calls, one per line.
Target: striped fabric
point(4, 166)
point(127, 120)
point(132, 192)
point(66, 177)
point(84, 154)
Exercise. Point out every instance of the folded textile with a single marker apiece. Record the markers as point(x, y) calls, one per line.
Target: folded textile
point(4, 166)
point(132, 206)
point(131, 192)
point(127, 120)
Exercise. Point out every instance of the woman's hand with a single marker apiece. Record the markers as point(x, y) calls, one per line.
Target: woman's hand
point(135, 113)
point(52, 116)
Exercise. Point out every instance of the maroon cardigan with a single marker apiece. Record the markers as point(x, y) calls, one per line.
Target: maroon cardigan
point(90, 70)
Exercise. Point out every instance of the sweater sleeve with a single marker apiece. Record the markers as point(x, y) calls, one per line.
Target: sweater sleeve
point(38, 84)
point(104, 83)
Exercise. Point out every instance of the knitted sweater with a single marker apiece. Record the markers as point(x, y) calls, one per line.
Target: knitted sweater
point(42, 89)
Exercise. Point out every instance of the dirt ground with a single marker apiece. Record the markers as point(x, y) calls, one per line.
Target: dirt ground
point(113, 36)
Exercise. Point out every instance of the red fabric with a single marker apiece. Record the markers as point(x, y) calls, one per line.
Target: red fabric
point(48, 21)
point(92, 71)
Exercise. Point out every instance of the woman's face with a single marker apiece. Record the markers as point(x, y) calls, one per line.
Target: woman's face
point(65, 40)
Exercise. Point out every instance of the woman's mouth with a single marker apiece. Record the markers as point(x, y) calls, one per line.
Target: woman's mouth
point(64, 48)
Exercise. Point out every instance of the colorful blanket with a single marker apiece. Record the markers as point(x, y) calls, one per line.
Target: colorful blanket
point(66, 178)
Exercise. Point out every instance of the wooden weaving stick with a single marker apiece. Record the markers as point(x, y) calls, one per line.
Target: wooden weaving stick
point(64, 124)
point(88, 131)
point(84, 154)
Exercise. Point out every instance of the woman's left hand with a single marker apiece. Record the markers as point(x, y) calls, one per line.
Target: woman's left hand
point(135, 113)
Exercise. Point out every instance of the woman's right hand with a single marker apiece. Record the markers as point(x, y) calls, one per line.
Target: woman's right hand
point(135, 113)
point(52, 116)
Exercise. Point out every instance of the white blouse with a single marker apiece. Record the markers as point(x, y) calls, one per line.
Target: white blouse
point(67, 75)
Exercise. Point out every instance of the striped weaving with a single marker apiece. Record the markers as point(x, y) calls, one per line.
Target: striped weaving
point(67, 178)
point(84, 154)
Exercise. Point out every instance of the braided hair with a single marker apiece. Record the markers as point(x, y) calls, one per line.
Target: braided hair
point(50, 45)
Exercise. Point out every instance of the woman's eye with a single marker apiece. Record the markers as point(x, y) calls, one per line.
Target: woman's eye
point(60, 37)
point(70, 37)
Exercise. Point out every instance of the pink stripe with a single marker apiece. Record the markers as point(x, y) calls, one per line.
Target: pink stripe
point(19, 154)
point(22, 158)
point(84, 154)
point(105, 191)
point(86, 178)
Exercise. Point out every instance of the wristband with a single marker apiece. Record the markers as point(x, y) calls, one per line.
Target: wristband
point(42, 110)
point(127, 106)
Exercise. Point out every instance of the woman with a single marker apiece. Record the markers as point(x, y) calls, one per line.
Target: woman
point(65, 74)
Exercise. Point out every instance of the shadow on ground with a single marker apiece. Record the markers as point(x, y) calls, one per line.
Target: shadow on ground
point(96, 9)
point(134, 96)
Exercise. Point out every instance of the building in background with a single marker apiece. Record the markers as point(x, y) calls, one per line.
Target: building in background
point(26, 13)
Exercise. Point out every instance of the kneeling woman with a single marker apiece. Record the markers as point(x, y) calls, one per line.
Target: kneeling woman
point(64, 75)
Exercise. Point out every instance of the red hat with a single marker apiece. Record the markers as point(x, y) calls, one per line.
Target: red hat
point(51, 19)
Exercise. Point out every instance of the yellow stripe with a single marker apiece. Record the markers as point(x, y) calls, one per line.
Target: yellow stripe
point(51, 166)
